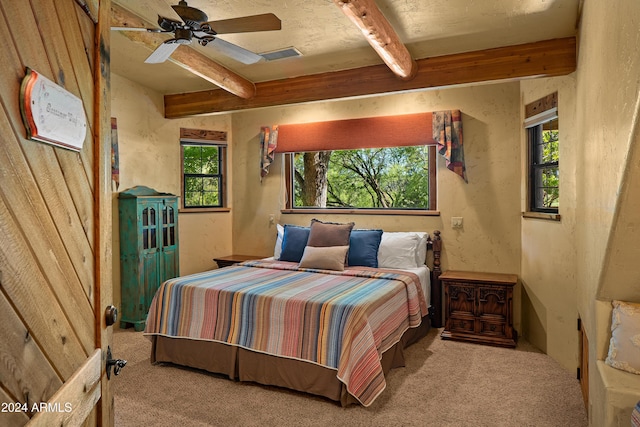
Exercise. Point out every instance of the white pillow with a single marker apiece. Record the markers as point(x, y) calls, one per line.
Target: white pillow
point(421, 250)
point(277, 250)
point(398, 250)
point(624, 346)
point(324, 257)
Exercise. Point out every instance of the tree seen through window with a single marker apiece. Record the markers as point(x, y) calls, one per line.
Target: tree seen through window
point(383, 178)
point(202, 176)
point(545, 172)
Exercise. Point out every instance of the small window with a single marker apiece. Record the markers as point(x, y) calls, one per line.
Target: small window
point(203, 172)
point(543, 140)
point(381, 180)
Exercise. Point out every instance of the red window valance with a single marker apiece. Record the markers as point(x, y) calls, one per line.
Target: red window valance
point(441, 128)
point(371, 132)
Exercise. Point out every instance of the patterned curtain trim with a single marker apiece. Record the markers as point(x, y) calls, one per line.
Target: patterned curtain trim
point(268, 144)
point(447, 131)
point(115, 157)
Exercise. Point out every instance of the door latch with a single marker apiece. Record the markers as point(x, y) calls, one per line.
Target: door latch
point(117, 364)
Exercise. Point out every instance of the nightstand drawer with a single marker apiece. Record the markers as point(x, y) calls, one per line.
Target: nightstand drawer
point(494, 329)
point(461, 325)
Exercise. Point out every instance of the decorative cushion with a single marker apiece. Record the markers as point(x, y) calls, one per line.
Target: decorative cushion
point(329, 233)
point(624, 346)
point(363, 248)
point(398, 250)
point(324, 258)
point(294, 240)
point(277, 249)
point(635, 416)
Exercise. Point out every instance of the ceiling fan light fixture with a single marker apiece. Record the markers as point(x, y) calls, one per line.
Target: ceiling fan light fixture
point(183, 36)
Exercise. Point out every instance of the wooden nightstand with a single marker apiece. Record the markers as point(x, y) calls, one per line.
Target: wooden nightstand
point(226, 261)
point(479, 307)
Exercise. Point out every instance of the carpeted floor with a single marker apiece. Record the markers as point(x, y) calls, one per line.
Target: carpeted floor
point(445, 383)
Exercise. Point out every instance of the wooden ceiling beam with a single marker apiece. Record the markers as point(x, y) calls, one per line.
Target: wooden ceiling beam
point(366, 15)
point(184, 56)
point(548, 58)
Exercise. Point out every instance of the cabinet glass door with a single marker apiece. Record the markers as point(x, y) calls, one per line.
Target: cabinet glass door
point(169, 218)
point(149, 229)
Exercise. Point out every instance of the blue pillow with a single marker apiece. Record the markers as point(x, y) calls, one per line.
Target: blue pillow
point(294, 240)
point(363, 248)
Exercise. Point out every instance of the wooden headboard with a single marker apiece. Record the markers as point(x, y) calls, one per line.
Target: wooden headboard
point(435, 311)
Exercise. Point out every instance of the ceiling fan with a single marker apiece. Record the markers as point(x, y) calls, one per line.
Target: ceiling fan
point(196, 25)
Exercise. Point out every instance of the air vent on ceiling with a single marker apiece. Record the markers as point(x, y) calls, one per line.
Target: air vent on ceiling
point(288, 52)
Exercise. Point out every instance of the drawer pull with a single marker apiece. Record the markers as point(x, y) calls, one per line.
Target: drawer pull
point(493, 328)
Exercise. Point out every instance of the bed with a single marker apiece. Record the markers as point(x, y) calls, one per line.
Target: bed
point(331, 332)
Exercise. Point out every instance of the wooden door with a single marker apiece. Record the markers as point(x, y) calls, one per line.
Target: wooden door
point(55, 222)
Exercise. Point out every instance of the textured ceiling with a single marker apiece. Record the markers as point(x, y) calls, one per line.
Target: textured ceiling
point(328, 41)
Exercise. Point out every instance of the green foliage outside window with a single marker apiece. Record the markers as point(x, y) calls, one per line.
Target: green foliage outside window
point(202, 176)
point(545, 172)
point(551, 176)
point(395, 178)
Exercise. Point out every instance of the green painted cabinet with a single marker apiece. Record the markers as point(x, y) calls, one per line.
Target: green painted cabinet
point(148, 249)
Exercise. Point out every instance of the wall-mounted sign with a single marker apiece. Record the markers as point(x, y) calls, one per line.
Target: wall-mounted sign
point(50, 113)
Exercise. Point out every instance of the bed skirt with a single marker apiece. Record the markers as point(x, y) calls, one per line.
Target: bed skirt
point(246, 365)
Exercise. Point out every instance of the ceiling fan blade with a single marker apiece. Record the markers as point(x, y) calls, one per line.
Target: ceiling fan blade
point(146, 30)
point(246, 24)
point(129, 29)
point(233, 51)
point(166, 25)
point(162, 52)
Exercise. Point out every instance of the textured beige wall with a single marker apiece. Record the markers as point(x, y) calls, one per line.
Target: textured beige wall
point(606, 107)
point(489, 203)
point(607, 95)
point(549, 302)
point(149, 148)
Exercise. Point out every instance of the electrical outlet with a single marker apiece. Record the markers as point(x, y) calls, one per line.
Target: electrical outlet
point(272, 218)
point(456, 222)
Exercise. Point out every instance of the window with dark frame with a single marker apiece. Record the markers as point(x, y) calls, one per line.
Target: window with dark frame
point(203, 170)
point(392, 180)
point(544, 156)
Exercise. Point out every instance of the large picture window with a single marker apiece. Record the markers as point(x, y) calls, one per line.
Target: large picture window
point(203, 173)
point(380, 180)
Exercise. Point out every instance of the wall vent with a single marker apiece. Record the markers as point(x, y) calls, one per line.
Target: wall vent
point(288, 52)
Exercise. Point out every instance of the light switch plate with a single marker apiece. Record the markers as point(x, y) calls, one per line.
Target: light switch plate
point(456, 222)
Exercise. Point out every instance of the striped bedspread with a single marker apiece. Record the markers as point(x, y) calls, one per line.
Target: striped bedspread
point(340, 320)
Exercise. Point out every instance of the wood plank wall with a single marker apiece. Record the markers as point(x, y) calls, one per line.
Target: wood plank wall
point(47, 279)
